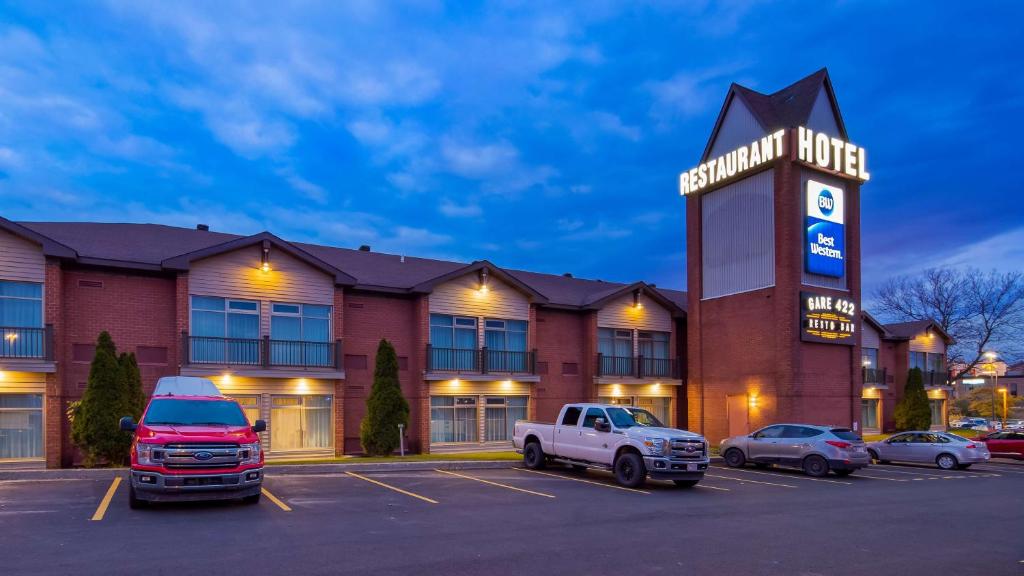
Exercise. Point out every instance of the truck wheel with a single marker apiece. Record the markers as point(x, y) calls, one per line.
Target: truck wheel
point(686, 483)
point(533, 456)
point(816, 466)
point(734, 458)
point(254, 499)
point(629, 470)
point(133, 502)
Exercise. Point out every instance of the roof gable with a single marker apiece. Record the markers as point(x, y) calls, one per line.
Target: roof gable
point(50, 247)
point(599, 300)
point(739, 127)
point(482, 266)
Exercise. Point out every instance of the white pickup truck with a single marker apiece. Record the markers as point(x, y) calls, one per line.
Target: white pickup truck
point(628, 441)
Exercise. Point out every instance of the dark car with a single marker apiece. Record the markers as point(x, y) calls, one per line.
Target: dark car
point(1004, 444)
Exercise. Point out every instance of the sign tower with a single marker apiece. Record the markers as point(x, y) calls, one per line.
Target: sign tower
point(773, 263)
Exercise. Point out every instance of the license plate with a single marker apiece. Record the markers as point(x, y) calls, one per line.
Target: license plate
point(691, 467)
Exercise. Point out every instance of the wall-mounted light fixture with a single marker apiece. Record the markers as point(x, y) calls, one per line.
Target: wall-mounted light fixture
point(225, 378)
point(265, 257)
point(11, 337)
point(483, 281)
point(753, 400)
point(636, 300)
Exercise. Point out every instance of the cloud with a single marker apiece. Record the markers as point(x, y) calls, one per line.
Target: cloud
point(602, 231)
point(453, 210)
point(613, 125)
point(569, 224)
point(478, 160)
point(688, 93)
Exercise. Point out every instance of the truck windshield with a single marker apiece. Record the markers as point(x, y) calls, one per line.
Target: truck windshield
point(629, 417)
point(178, 412)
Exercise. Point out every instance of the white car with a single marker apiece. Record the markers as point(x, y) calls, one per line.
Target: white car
point(628, 441)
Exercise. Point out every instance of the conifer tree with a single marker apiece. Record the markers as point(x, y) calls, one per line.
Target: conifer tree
point(386, 408)
point(913, 411)
point(95, 427)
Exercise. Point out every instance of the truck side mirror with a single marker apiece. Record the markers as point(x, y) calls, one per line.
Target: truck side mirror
point(127, 424)
point(601, 426)
point(259, 426)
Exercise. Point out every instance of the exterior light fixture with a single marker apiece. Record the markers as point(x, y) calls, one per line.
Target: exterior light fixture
point(302, 386)
point(265, 258)
point(753, 400)
point(455, 383)
point(483, 281)
point(636, 300)
point(226, 378)
point(11, 336)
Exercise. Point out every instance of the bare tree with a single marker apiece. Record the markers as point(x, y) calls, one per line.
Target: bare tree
point(981, 311)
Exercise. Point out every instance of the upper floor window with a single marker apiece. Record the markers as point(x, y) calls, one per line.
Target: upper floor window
point(919, 360)
point(458, 332)
point(508, 335)
point(936, 362)
point(21, 304)
point(653, 344)
point(616, 349)
point(869, 357)
point(225, 318)
point(309, 322)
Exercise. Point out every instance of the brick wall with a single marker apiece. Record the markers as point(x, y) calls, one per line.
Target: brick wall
point(560, 338)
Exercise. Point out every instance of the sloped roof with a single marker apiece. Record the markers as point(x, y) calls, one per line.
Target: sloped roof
point(787, 108)
point(915, 328)
point(152, 246)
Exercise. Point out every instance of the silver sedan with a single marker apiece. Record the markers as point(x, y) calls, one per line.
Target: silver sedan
point(947, 451)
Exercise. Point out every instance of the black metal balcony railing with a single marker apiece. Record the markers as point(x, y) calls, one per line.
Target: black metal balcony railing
point(261, 352)
point(27, 343)
point(481, 360)
point(874, 376)
point(637, 366)
point(935, 378)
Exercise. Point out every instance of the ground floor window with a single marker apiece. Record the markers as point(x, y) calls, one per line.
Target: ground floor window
point(301, 423)
point(250, 405)
point(659, 406)
point(938, 407)
point(458, 419)
point(869, 413)
point(501, 413)
point(21, 426)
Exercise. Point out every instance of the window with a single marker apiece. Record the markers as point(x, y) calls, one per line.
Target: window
point(250, 405)
point(572, 416)
point(657, 406)
point(616, 349)
point(869, 413)
point(769, 432)
point(453, 342)
point(21, 426)
point(225, 330)
point(21, 318)
point(653, 346)
point(301, 423)
point(592, 415)
point(506, 345)
point(193, 412)
point(453, 419)
point(501, 413)
point(869, 357)
point(938, 411)
point(300, 334)
point(918, 360)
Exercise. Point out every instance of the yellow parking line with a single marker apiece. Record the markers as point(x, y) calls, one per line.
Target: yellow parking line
point(751, 481)
point(275, 500)
point(582, 480)
point(101, 510)
point(390, 487)
point(494, 483)
point(794, 476)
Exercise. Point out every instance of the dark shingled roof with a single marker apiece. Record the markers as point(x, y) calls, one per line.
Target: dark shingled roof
point(915, 328)
point(151, 244)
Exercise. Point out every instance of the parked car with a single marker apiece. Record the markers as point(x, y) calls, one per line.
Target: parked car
point(1015, 424)
point(947, 451)
point(1004, 444)
point(192, 443)
point(815, 449)
point(628, 441)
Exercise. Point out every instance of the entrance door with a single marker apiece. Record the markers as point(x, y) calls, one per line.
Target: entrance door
point(736, 412)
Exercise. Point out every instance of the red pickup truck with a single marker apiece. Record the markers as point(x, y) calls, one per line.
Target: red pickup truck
point(194, 444)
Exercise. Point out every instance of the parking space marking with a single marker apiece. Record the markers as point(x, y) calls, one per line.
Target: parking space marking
point(794, 476)
point(1000, 470)
point(101, 510)
point(581, 480)
point(958, 473)
point(750, 481)
point(712, 487)
point(494, 483)
point(390, 487)
point(883, 478)
point(275, 500)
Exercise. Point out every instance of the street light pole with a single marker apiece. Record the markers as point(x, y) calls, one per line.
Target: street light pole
point(1004, 391)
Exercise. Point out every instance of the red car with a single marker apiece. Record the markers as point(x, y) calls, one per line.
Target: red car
point(1005, 444)
point(194, 444)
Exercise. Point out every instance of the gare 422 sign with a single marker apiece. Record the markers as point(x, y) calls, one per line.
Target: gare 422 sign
point(828, 319)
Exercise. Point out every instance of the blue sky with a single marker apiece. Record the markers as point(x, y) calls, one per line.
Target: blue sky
point(539, 136)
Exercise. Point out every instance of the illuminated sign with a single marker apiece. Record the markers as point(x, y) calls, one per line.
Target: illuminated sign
point(816, 149)
point(825, 245)
point(828, 319)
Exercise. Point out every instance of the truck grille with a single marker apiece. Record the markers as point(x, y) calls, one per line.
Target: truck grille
point(198, 456)
point(687, 449)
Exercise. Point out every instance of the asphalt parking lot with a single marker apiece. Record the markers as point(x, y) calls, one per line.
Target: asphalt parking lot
point(884, 520)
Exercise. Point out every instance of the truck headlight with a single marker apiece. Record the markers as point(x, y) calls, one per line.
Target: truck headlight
point(656, 446)
point(249, 453)
point(149, 454)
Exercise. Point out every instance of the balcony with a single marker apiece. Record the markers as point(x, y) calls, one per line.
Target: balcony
point(637, 367)
point(935, 378)
point(480, 361)
point(260, 352)
point(874, 377)
point(20, 343)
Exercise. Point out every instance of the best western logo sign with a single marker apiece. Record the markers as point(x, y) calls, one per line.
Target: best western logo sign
point(812, 148)
point(828, 319)
point(825, 246)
